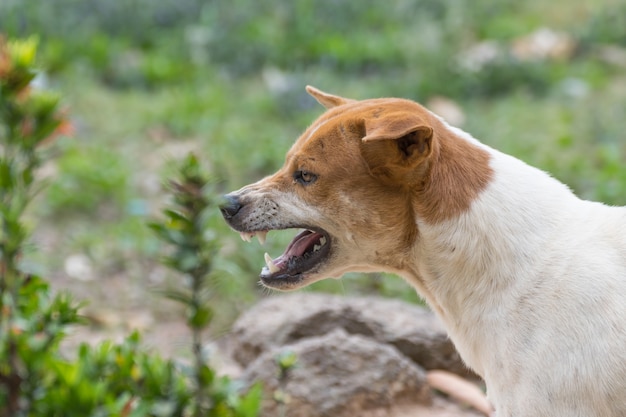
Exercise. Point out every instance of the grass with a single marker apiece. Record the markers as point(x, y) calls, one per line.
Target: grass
point(227, 81)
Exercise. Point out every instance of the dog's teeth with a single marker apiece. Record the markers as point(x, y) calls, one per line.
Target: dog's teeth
point(323, 241)
point(316, 248)
point(261, 236)
point(270, 264)
point(246, 237)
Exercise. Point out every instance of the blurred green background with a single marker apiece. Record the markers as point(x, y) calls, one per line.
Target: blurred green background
point(147, 81)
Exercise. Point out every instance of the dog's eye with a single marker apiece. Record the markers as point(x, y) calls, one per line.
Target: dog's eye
point(304, 177)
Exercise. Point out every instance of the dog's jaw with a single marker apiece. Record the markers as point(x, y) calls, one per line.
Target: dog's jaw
point(262, 207)
point(303, 257)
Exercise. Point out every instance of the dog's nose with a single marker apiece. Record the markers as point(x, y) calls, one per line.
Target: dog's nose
point(230, 207)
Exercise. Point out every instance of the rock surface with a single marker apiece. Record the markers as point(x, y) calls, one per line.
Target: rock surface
point(365, 357)
point(338, 375)
point(285, 319)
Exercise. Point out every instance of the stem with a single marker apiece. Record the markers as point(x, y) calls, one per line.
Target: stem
point(199, 363)
point(198, 278)
point(197, 346)
point(9, 290)
point(185, 229)
point(13, 381)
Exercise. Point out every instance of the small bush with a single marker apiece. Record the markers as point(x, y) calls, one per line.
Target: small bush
point(110, 379)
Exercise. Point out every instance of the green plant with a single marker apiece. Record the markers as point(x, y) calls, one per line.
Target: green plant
point(106, 380)
point(113, 380)
point(194, 248)
point(30, 319)
point(286, 361)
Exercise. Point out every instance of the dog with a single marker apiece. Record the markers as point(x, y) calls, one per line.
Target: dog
point(529, 280)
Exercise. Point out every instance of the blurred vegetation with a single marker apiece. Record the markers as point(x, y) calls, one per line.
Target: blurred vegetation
point(36, 378)
point(193, 248)
point(148, 81)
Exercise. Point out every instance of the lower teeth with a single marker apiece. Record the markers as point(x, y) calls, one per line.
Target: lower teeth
point(291, 262)
point(271, 266)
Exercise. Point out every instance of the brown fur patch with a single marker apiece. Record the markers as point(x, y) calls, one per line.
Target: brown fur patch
point(457, 172)
point(345, 189)
point(441, 186)
point(369, 187)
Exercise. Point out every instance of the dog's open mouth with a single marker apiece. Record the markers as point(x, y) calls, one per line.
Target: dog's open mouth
point(304, 254)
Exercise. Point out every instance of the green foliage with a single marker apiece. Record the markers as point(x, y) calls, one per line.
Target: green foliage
point(31, 321)
point(185, 225)
point(82, 186)
point(122, 381)
point(110, 379)
point(27, 120)
point(286, 361)
point(608, 26)
point(101, 31)
point(32, 324)
point(193, 249)
point(144, 44)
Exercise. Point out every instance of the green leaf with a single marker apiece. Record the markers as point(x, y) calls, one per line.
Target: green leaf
point(286, 360)
point(207, 375)
point(7, 181)
point(250, 403)
point(171, 236)
point(200, 317)
point(175, 215)
point(176, 295)
point(188, 262)
point(158, 228)
point(23, 51)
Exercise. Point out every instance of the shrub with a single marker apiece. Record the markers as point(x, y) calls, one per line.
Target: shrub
point(107, 380)
point(193, 249)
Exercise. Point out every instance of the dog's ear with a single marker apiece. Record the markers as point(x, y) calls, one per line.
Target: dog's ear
point(327, 100)
point(410, 134)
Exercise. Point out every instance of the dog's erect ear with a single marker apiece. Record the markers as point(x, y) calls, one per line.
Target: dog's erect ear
point(412, 136)
point(327, 100)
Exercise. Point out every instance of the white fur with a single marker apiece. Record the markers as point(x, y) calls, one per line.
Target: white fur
point(531, 284)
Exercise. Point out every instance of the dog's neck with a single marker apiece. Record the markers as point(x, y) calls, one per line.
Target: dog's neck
point(466, 253)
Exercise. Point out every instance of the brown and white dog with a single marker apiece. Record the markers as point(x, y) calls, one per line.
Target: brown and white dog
point(529, 280)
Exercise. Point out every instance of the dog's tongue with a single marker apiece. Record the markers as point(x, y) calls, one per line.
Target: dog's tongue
point(298, 246)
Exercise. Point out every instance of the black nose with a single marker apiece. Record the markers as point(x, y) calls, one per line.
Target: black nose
point(230, 207)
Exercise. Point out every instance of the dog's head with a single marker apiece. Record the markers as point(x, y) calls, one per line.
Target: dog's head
point(350, 182)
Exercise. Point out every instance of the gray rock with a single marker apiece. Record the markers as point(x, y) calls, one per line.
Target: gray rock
point(338, 375)
point(285, 319)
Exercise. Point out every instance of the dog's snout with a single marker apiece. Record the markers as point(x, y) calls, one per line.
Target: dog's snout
point(230, 206)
